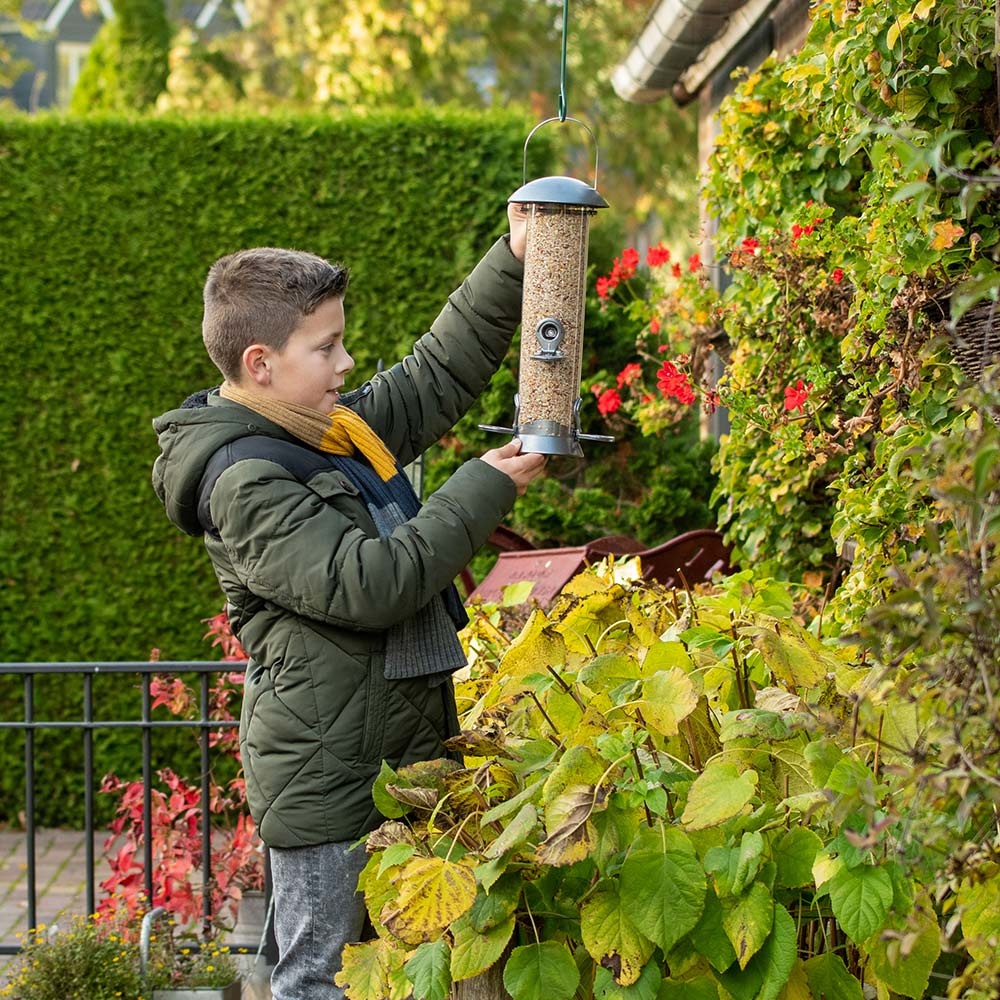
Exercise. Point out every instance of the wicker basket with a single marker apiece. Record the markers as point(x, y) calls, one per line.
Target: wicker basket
point(975, 340)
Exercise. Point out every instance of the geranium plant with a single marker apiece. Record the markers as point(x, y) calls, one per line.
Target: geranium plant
point(665, 794)
point(236, 856)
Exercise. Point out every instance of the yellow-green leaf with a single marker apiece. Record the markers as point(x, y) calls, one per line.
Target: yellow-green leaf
point(537, 647)
point(668, 697)
point(719, 793)
point(433, 893)
point(747, 920)
point(366, 968)
point(977, 903)
point(792, 658)
point(611, 938)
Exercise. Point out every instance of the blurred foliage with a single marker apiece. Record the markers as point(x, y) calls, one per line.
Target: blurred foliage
point(373, 54)
point(126, 67)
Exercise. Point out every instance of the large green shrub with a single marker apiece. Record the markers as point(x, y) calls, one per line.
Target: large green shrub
point(108, 229)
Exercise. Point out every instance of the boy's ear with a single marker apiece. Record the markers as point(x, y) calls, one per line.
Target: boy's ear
point(255, 364)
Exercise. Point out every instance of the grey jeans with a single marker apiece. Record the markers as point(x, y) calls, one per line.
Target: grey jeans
point(316, 912)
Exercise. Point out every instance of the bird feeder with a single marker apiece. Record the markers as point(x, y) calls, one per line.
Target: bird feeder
point(547, 404)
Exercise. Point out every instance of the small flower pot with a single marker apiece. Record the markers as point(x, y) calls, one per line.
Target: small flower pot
point(230, 992)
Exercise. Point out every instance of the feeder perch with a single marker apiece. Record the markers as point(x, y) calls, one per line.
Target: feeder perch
point(547, 404)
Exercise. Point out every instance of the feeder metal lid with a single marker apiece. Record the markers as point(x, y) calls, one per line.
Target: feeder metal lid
point(558, 191)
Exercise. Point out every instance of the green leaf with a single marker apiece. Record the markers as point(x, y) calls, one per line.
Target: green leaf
point(828, 977)
point(543, 971)
point(719, 793)
point(794, 855)
point(699, 988)
point(860, 898)
point(386, 804)
point(777, 956)
point(904, 962)
point(515, 833)
point(611, 938)
point(747, 920)
point(749, 859)
point(396, 854)
point(980, 917)
point(710, 937)
point(664, 884)
point(669, 697)
point(646, 986)
point(516, 593)
point(473, 951)
point(496, 905)
point(429, 971)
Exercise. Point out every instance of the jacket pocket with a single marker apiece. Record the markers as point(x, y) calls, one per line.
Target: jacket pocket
point(376, 699)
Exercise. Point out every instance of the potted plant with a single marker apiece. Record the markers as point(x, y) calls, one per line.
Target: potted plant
point(665, 794)
point(184, 968)
point(90, 957)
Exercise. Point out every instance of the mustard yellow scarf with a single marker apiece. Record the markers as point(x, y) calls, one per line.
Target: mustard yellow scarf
point(340, 432)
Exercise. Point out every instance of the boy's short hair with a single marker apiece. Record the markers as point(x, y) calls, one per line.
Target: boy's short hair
point(259, 296)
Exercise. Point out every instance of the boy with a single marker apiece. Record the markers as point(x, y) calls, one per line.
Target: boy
point(338, 584)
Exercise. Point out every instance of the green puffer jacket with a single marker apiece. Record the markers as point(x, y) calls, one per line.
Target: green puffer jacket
point(311, 587)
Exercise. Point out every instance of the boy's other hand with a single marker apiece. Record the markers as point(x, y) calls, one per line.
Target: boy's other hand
point(521, 468)
point(517, 216)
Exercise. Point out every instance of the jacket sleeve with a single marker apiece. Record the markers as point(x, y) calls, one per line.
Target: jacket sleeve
point(414, 403)
point(304, 548)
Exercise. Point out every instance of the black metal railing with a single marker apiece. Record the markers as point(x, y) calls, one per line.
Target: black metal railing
point(87, 725)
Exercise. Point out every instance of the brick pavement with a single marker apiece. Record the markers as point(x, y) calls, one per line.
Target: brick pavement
point(60, 877)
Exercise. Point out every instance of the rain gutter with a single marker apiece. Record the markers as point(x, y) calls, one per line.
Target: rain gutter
point(682, 43)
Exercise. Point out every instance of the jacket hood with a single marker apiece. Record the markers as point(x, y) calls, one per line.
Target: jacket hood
point(188, 437)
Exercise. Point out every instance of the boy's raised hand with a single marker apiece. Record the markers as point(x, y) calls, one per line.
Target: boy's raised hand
point(517, 217)
point(521, 468)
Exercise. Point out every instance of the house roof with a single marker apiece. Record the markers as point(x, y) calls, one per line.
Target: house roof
point(50, 14)
point(680, 45)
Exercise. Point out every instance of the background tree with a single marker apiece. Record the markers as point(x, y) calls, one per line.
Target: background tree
point(363, 54)
point(10, 67)
point(127, 66)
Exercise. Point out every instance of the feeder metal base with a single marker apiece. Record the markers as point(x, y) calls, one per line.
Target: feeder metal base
point(546, 437)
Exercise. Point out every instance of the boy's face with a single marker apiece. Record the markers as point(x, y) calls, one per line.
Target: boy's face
point(311, 368)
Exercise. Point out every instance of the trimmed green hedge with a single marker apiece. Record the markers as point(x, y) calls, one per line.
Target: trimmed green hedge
point(108, 228)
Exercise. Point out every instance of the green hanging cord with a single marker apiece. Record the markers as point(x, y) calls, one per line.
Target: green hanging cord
point(562, 64)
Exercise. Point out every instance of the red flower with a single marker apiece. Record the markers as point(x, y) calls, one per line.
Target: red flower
point(658, 255)
point(694, 262)
point(676, 270)
point(712, 401)
point(672, 382)
point(654, 325)
point(603, 288)
point(838, 275)
point(796, 396)
point(750, 245)
point(629, 374)
point(608, 402)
